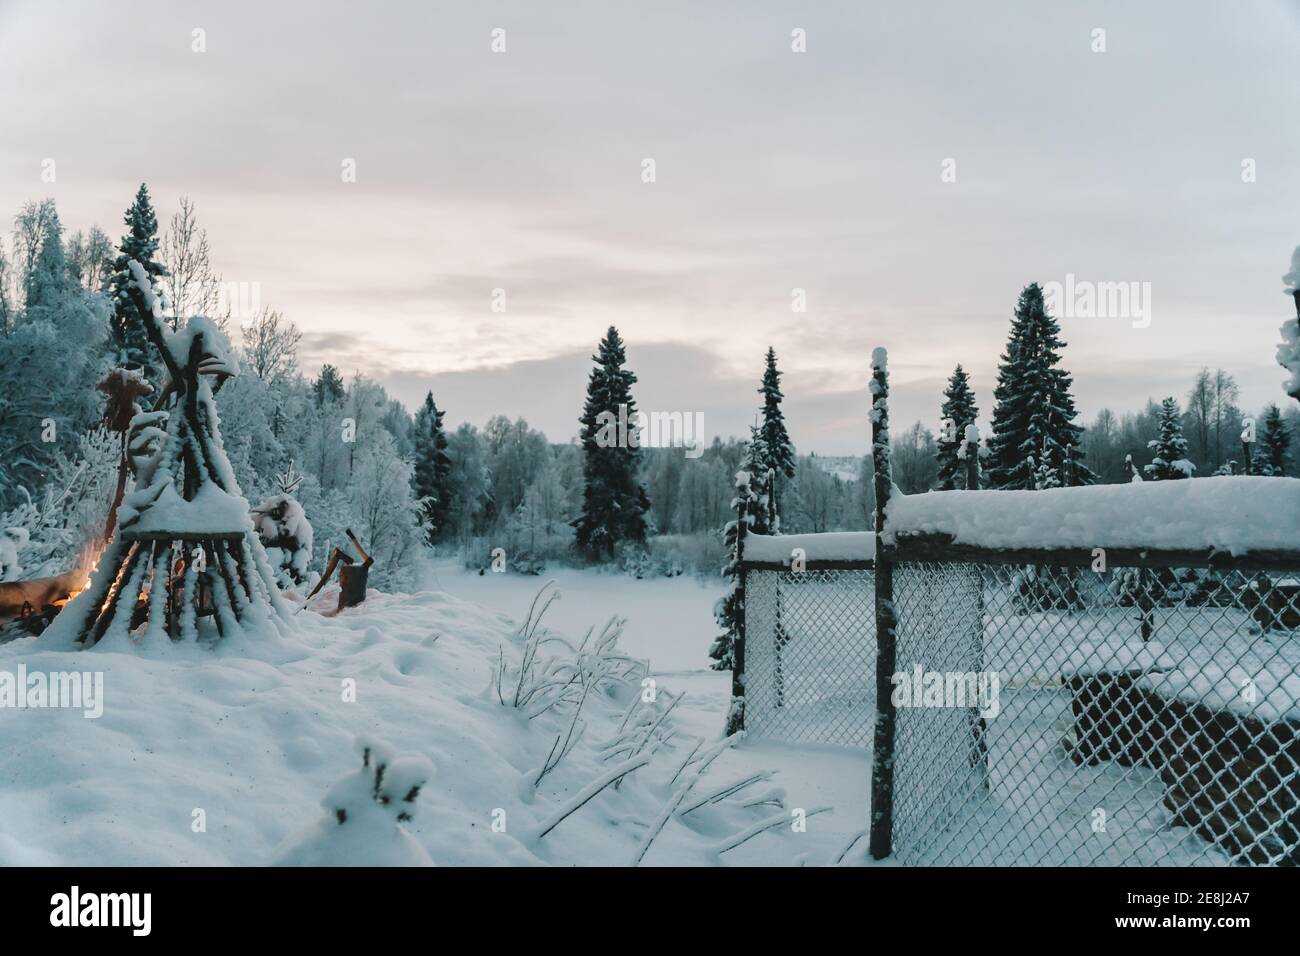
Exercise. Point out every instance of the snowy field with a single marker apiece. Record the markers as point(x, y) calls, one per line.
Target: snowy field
point(247, 738)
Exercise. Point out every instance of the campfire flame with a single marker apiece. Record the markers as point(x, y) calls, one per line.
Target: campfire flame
point(87, 565)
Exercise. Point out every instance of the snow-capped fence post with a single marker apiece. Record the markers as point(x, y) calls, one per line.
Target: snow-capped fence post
point(882, 757)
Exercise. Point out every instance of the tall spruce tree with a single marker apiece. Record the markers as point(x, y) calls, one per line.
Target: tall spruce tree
point(1169, 448)
point(958, 411)
point(780, 450)
point(328, 387)
point(614, 503)
point(1273, 444)
point(1034, 413)
point(141, 244)
point(431, 478)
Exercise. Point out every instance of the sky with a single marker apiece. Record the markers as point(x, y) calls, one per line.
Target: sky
point(910, 171)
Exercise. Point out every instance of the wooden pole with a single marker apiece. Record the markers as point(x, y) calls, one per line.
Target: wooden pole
point(979, 728)
point(882, 756)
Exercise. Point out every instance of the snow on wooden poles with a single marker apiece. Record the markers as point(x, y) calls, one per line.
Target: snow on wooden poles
point(736, 712)
point(882, 757)
point(979, 730)
point(184, 545)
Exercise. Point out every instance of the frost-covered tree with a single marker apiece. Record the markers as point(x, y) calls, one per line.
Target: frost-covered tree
point(432, 469)
point(780, 450)
point(1034, 414)
point(48, 284)
point(469, 482)
point(914, 459)
point(90, 258)
point(140, 243)
point(31, 226)
point(614, 503)
point(249, 409)
point(193, 287)
point(49, 364)
point(1169, 447)
point(958, 411)
point(386, 514)
point(7, 315)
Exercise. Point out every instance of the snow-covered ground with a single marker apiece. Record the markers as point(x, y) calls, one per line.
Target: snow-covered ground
point(222, 755)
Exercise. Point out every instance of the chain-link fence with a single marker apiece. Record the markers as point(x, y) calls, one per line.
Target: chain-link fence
point(1060, 715)
point(810, 655)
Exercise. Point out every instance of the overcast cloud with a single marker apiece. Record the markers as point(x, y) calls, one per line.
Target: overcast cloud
point(775, 171)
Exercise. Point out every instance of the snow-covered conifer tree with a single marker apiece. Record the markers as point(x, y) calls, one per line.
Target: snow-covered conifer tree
point(1034, 414)
point(729, 608)
point(1169, 448)
point(614, 503)
point(141, 244)
point(1274, 442)
point(780, 450)
point(431, 481)
point(958, 411)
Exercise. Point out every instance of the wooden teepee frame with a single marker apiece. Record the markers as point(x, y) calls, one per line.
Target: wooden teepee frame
point(174, 559)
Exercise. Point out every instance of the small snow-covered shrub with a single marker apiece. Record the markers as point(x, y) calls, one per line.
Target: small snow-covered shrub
point(364, 815)
point(634, 559)
point(11, 540)
point(70, 510)
point(287, 536)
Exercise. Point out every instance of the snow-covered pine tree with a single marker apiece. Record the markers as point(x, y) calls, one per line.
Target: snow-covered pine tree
point(1034, 411)
point(431, 481)
point(757, 466)
point(614, 503)
point(729, 607)
point(1274, 442)
point(1169, 448)
point(49, 282)
point(780, 450)
point(141, 244)
point(1045, 475)
point(958, 411)
point(328, 388)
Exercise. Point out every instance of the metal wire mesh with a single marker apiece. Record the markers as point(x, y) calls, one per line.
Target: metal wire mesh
point(810, 655)
point(1135, 716)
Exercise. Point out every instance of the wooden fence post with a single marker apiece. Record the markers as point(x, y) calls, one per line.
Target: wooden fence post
point(882, 755)
point(979, 727)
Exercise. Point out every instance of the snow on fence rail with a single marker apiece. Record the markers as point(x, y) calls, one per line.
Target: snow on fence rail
point(810, 637)
point(1232, 514)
